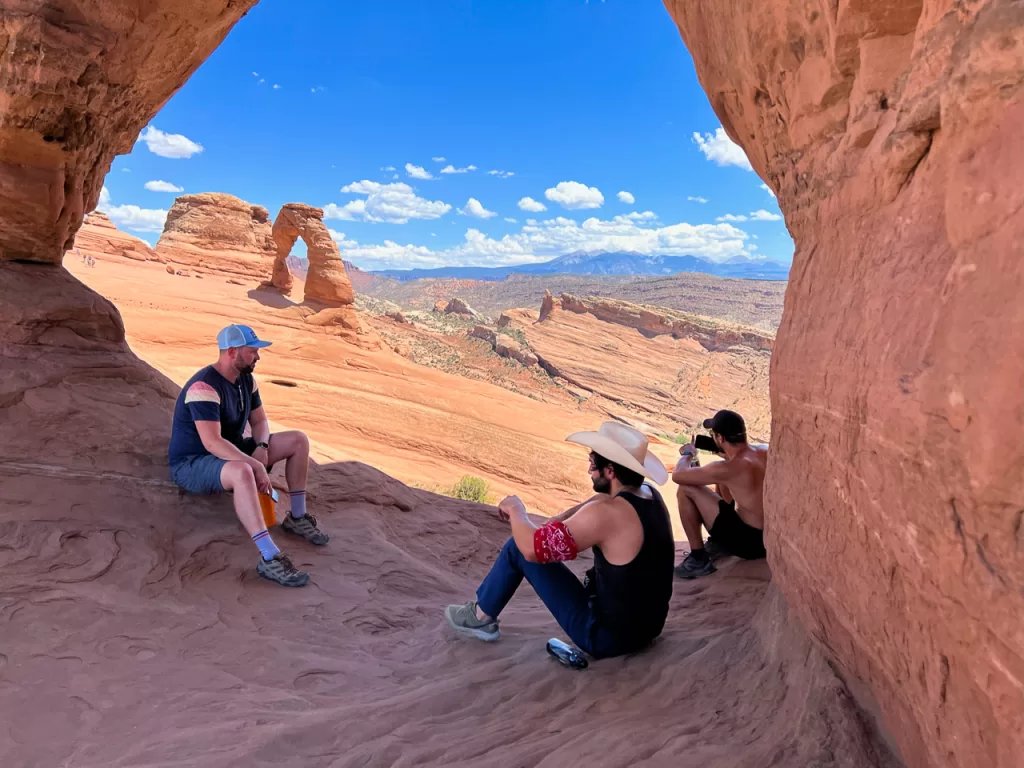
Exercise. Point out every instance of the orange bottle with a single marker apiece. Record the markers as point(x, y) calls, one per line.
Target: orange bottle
point(268, 509)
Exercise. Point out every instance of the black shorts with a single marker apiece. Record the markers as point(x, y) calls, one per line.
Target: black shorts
point(734, 535)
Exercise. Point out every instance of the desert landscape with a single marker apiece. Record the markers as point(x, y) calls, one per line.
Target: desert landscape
point(884, 628)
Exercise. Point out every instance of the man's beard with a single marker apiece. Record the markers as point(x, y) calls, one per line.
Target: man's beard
point(247, 369)
point(602, 485)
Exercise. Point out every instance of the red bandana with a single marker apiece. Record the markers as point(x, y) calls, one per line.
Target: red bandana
point(552, 543)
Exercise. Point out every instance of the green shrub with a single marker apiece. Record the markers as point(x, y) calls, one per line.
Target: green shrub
point(471, 488)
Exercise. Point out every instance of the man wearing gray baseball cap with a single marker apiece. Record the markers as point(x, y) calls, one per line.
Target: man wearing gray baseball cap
point(221, 441)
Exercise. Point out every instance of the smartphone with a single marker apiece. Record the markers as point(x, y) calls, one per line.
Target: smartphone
point(706, 443)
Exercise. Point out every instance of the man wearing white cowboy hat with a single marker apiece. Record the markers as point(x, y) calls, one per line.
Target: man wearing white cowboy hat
point(622, 606)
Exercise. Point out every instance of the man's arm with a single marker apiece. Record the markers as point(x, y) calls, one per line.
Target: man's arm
point(260, 425)
point(573, 510)
point(586, 525)
point(209, 433)
point(715, 472)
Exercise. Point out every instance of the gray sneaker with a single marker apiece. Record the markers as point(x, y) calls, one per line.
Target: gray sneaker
point(462, 618)
point(693, 568)
point(281, 570)
point(715, 552)
point(305, 527)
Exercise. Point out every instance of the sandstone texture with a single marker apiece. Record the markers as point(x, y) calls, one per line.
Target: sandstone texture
point(891, 133)
point(459, 307)
point(547, 304)
point(504, 345)
point(662, 384)
point(218, 233)
point(80, 81)
point(326, 281)
point(658, 321)
point(100, 238)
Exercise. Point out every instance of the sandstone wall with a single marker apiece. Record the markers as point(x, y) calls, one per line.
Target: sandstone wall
point(219, 233)
point(81, 79)
point(99, 237)
point(891, 132)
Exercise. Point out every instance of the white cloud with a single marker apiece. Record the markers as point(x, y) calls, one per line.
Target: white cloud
point(395, 176)
point(645, 216)
point(541, 241)
point(626, 197)
point(697, 199)
point(388, 168)
point(132, 217)
point(475, 209)
point(438, 159)
point(763, 215)
point(317, 89)
point(262, 81)
point(126, 170)
point(417, 171)
point(732, 217)
point(276, 86)
point(510, 220)
point(501, 174)
point(575, 196)
point(722, 150)
point(531, 205)
point(162, 186)
point(255, 74)
point(452, 169)
point(169, 144)
point(767, 189)
point(391, 203)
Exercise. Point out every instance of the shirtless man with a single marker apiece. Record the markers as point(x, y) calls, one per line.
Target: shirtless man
point(735, 515)
point(622, 605)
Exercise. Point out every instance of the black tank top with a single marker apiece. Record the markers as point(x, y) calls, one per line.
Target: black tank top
point(632, 600)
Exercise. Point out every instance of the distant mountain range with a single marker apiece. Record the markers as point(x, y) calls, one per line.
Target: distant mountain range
point(606, 263)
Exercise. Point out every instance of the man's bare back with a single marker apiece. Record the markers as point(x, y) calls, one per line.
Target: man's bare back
point(745, 483)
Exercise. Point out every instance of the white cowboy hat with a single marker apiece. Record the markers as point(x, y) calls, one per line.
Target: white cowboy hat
point(625, 446)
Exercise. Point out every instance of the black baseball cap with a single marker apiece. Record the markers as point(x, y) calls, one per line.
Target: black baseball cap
point(729, 425)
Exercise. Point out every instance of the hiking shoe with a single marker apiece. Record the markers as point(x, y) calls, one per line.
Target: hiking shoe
point(305, 527)
point(693, 568)
point(281, 570)
point(462, 618)
point(715, 551)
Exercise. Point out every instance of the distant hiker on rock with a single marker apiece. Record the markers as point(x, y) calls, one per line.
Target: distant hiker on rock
point(622, 605)
point(735, 515)
point(210, 451)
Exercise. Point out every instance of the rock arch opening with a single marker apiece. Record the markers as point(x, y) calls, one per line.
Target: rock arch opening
point(326, 282)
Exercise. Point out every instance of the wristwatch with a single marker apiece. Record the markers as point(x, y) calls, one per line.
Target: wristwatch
point(262, 445)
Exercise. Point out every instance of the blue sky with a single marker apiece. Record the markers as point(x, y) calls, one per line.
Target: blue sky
point(543, 111)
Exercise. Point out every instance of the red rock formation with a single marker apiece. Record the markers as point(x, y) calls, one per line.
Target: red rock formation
point(504, 345)
point(218, 233)
point(891, 132)
point(80, 82)
point(459, 307)
point(326, 281)
point(712, 334)
point(99, 237)
point(547, 305)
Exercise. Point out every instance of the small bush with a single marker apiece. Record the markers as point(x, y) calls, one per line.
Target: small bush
point(471, 488)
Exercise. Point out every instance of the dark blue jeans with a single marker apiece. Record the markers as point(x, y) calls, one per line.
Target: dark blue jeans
point(561, 592)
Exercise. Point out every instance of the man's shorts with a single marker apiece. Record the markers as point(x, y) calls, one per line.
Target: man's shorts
point(201, 474)
point(734, 535)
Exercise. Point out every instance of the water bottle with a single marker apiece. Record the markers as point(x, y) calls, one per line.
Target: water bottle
point(267, 502)
point(566, 654)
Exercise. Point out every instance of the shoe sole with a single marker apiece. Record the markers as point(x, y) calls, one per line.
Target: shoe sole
point(298, 535)
point(301, 583)
point(479, 634)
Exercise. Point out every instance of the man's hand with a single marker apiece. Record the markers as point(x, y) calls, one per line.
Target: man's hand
point(262, 479)
point(510, 505)
point(262, 455)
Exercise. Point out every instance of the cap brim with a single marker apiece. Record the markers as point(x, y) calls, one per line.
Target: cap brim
point(708, 423)
point(652, 467)
point(260, 344)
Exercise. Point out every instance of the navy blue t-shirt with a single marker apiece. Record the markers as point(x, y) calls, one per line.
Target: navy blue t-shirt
point(208, 396)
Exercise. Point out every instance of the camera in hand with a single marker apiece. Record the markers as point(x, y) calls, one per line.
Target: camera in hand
point(706, 443)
